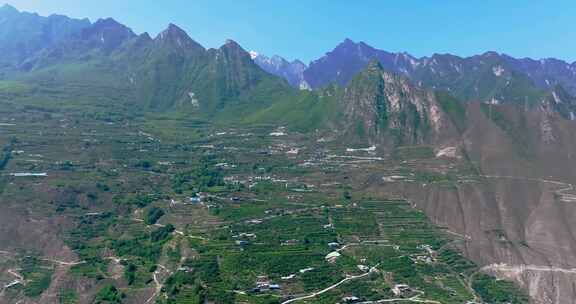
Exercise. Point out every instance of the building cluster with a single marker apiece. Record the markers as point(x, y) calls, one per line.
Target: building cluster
point(263, 283)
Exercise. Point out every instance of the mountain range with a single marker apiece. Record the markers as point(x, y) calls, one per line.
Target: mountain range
point(467, 77)
point(490, 78)
point(165, 72)
point(293, 71)
point(173, 72)
point(370, 95)
point(228, 76)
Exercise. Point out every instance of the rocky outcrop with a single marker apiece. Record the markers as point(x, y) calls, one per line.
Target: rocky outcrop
point(382, 107)
point(292, 71)
point(515, 215)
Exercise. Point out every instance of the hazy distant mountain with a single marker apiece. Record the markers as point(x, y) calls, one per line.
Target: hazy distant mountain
point(172, 70)
point(162, 73)
point(24, 34)
point(490, 77)
point(293, 71)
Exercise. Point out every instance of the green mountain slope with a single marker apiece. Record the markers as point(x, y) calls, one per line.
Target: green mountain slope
point(24, 34)
point(168, 73)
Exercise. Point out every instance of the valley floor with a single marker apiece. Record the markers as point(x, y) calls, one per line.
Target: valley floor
point(170, 212)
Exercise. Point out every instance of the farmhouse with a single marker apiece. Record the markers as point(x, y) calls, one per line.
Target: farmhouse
point(401, 289)
point(332, 256)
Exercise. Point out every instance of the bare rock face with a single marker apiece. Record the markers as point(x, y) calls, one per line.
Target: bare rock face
point(293, 71)
point(382, 106)
point(517, 229)
point(545, 284)
point(526, 237)
point(517, 219)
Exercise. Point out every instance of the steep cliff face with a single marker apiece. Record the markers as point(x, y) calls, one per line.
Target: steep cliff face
point(387, 108)
point(233, 70)
point(516, 229)
point(161, 67)
point(514, 213)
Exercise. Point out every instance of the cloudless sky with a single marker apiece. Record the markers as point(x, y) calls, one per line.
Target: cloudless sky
point(306, 29)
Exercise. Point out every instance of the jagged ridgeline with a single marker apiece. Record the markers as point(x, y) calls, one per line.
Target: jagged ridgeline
point(170, 72)
point(377, 96)
point(486, 77)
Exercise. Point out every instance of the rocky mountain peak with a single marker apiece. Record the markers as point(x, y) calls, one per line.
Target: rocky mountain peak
point(347, 42)
point(145, 36)
point(233, 50)
point(348, 46)
point(293, 71)
point(175, 37)
point(7, 8)
point(231, 44)
point(111, 26)
point(298, 62)
point(107, 33)
point(278, 59)
point(342, 63)
point(107, 22)
point(377, 102)
point(143, 40)
point(173, 31)
point(490, 54)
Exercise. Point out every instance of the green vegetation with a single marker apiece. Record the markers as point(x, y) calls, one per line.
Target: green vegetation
point(433, 177)
point(130, 273)
point(109, 294)
point(152, 215)
point(413, 152)
point(137, 199)
point(6, 154)
point(260, 215)
point(161, 233)
point(497, 291)
point(14, 87)
point(201, 177)
point(166, 172)
point(454, 108)
point(37, 274)
point(68, 296)
point(515, 126)
point(307, 113)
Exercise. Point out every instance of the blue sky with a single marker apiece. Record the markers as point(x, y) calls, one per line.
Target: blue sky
point(306, 29)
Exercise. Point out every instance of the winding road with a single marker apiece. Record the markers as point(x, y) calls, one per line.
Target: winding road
point(523, 268)
point(566, 197)
point(312, 295)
